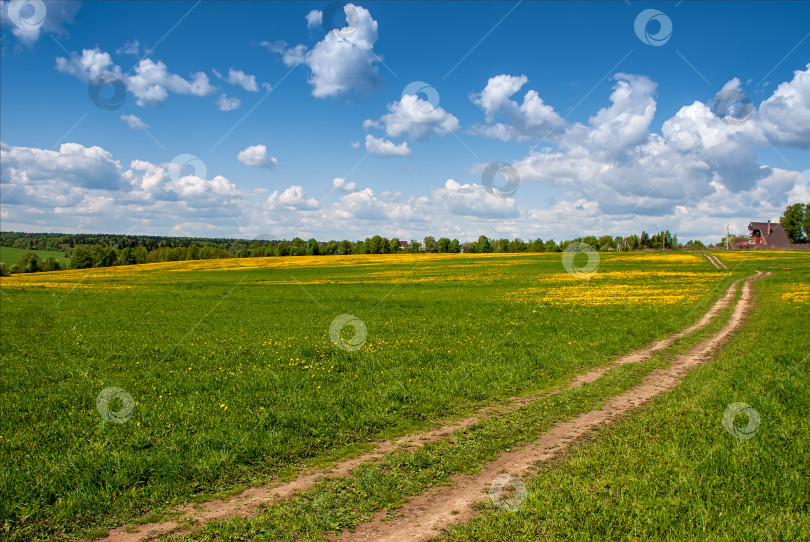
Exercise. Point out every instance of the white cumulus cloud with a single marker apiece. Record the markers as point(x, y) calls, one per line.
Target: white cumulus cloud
point(520, 121)
point(150, 84)
point(256, 156)
point(416, 118)
point(314, 18)
point(474, 200)
point(344, 60)
point(384, 147)
point(341, 185)
point(38, 21)
point(293, 197)
point(240, 78)
point(224, 103)
point(785, 116)
point(134, 122)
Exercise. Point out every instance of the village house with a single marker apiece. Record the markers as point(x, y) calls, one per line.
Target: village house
point(765, 234)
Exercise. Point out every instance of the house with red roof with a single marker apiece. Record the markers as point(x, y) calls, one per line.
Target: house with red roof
point(766, 234)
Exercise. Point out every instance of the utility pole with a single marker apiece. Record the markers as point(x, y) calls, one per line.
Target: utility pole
point(726, 236)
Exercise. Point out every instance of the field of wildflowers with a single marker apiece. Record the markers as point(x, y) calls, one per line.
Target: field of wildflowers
point(127, 390)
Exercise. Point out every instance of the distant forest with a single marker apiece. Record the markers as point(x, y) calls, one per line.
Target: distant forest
point(104, 250)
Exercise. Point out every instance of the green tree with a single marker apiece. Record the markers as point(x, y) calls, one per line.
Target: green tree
point(28, 262)
point(455, 246)
point(81, 258)
point(517, 245)
point(482, 245)
point(792, 220)
point(140, 254)
point(394, 245)
point(443, 245)
point(297, 247)
point(193, 252)
point(374, 245)
point(385, 245)
point(50, 264)
point(430, 244)
point(536, 245)
point(644, 240)
point(605, 242)
point(126, 257)
point(344, 247)
point(312, 247)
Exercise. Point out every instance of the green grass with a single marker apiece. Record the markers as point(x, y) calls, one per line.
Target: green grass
point(10, 255)
point(342, 503)
point(446, 335)
point(671, 471)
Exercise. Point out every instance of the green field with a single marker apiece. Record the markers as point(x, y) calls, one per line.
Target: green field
point(11, 255)
point(236, 382)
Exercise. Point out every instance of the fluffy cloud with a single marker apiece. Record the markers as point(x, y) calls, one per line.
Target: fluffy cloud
point(611, 173)
point(150, 84)
point(240, 78)
point(73, 165)
point(292, 198)
point(383, 147)
point(314, 18)
point(474, 200)
point(344, 60)
point(785, 116)
point(134, 122)
point(363, 205)
point(521, 121)
point(616, 161)
point(416, 118)
point(224, 103)
point(256, 156)
point(340, 184)
point(130, 48)
point(32, 25)
point(81, 187)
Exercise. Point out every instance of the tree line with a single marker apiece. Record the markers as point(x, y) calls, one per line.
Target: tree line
point(105, 250)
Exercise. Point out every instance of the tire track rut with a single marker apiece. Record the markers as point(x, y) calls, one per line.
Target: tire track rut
point(423, 516)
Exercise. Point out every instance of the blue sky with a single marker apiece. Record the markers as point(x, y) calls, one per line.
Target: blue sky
point(261, 118)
